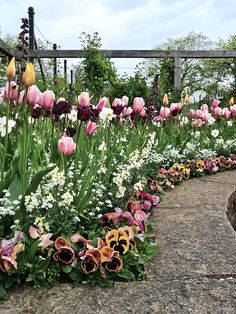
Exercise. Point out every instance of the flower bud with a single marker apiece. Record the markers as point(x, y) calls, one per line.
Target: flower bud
point(11, 69)
point(28, 77)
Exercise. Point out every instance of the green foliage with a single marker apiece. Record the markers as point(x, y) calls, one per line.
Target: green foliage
point(131, 86)
point(96, 73)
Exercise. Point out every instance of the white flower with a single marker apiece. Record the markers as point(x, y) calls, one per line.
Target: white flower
point(230, 123)
point(3, 125)
point(106, 114)
point(215, 133)
point(72, 115)
point(102, 146)
point(211, 121)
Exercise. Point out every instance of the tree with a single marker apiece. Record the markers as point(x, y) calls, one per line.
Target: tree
point(96, 73)
point(191, 68)
point(222, 72)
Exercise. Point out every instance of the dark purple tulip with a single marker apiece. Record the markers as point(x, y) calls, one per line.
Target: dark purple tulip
point(84, 112)
point(62, 107)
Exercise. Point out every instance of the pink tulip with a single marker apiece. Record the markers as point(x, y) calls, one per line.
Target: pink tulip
point(47, 99)
point(21, 97)
point(143, 113)
point(33, 96)
point(101, 103)
point(217, 111)
point(204, 107)
point(192, 113)
point(127, 111)
point(199, 114)
point(215, 103)
point(14, 88)
point(138, 104)
point(226, 113)
point(164, 112)
point(233, 110)
point(66, 145)
point(84, 99)
point(157, 118)
point(174, 106)
point(206, 116)
point(91, 128)
point(125, 100)
point(117, 102)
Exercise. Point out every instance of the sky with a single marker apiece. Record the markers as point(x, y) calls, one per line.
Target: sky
point(121, 24)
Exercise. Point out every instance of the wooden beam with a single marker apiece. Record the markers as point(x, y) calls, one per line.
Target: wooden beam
point(5, 49)
point(177, 73)
point(136, 53)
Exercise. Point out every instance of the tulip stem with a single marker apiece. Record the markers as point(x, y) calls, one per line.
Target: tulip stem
point(6, 136)
point(79, 123)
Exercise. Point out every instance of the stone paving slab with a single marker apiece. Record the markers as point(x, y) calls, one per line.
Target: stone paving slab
point(199, 194)
point(179, 296)
point(194, 271)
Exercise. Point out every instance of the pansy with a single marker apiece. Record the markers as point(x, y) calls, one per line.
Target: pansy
point(91, 260)
point(65, 252)
point(110, 259)
point(118, 240)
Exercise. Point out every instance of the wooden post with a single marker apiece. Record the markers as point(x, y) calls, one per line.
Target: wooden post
point(71, 77)
point(40, 63)
point(177, 73)
point(31, 30)
point(65, 70)
point(55, 66)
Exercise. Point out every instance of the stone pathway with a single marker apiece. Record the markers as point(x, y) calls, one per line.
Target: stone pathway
point(194, 271)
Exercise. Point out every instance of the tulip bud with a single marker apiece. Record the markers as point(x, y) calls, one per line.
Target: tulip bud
point(11, 69)
point(165, 100)
point(187, 99)
point(28, 77)
point(231, 101)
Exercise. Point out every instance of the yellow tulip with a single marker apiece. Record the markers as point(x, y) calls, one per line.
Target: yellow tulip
point(28, 77)
point(187, 99)
point(11, 69)
point(165, 100)
point(231, 101)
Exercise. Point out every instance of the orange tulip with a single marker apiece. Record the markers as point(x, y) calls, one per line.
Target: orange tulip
point(11, 69)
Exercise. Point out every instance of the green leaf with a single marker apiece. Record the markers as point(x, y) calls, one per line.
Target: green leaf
point(106, 283)
point(3, 293)
point(37, 178)
point(10, 173)
point(67, 268)
point(76, 276)
point(15, 187)
point(126, 274)
point(29, 278)
point(45, 263)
